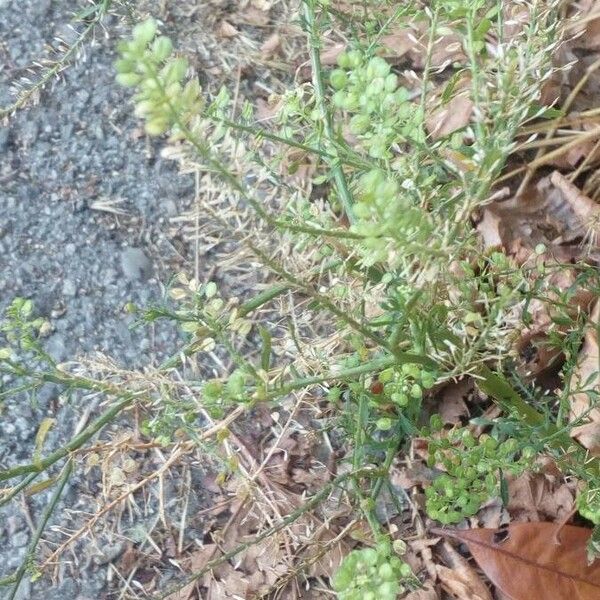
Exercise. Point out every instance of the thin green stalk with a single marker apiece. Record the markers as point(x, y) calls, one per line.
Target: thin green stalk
point(273, 137)
point(427, 66)
point(230, 178)
point(372, 366)
point(320, 95)
point(320, 298)
point(20, 486)
point(475, 78)
point(27, 561)
point(100, 10)
point(500, 390)
point(73, 444)
point(246, 308)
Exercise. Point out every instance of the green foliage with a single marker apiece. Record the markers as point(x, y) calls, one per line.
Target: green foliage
point(21, 330)
point(411, 299)
point(163, 99)
point(588, 503)
point(372, 574)
point(473, 471)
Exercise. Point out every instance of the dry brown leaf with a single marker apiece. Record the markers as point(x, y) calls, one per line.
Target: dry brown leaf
point(526, 562)
point(326, 565)
point(408, 477)
point(539, 496)
point(540, 215)
point(268, 109)
point(330, 53)
point(588, 33)
point(422, 548)
point(264, 5)
point(576, 153)
point(427, 592)
point(452, 405)
point(492, 514)
point(408, 40)
point(586, 378)
point(194, 562)
point(584, 208)
point(253, 16)
point(535, 353)
point(398, 43)
point(453, 116)
point(489, 228)
point(460, 580)
point(227, 30)
point(271, 45)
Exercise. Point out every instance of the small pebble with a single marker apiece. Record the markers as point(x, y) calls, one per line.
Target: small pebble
point(135, 264)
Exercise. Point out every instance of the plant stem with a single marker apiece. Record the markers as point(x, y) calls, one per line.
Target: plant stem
point(20, 486)
point(320, 95)
point(73, 444)
point(24, 96)
point(263, 133)
point(67, 470)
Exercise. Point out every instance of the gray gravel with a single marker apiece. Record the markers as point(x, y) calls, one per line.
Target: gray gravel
point(64, 164)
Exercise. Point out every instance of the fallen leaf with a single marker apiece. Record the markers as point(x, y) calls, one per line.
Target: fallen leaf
point(489, 228)
point(253, 16)
point(585, 378)
point(330, 53)
point(227, 30)
point(326, 565)
point(410, 40)
point(398, 43)
point(451, 117)
point(427, 592)
point(460, 580)
point(452, 405)
point(536, 354)
point(196, 561)
point(540, 215)
point(584, 208)
point(539, 496)
point(589, 32)
point(525, 561)
point(271, 45)
point(422, 548)
point(264, 5)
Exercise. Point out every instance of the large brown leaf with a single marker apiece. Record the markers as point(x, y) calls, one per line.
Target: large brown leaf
point(585, 379)
point(534, 561)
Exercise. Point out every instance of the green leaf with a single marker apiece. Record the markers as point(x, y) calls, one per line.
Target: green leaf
point(265, 355)
point(593, 545)
point(40, 437)
point(143, 33)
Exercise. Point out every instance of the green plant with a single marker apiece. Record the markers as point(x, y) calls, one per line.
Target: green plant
point(388, 254)
point(372, 574)
point(474, 469)
point(92, 17)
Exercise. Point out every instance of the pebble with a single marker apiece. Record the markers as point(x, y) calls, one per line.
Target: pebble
point(56, 347)
point(20, 539)
point(135, 264)
point(69, 288)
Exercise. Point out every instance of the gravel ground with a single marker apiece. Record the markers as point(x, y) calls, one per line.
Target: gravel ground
point(65, 164)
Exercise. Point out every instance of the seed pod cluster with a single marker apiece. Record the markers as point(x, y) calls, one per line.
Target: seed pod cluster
point(371, 574)
point(164, 99)
point(472, 470)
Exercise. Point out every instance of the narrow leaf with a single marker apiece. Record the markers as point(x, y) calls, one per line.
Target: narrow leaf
point(265, 355)
point(40, 437)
